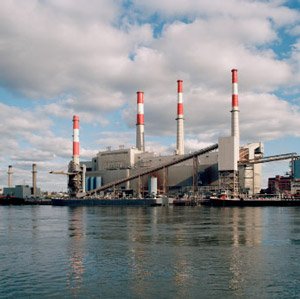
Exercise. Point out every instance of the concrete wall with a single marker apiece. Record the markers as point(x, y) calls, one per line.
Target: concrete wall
point(250, 175)
point(228, 154)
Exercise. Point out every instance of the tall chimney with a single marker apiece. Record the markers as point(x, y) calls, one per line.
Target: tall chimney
point(235, 130)
point(34, 171)
point(180, 129)
point(76, 139)
point(10, 173)
point(140, 138)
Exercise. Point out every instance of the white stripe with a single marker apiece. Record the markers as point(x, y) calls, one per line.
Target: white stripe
point(235, 88)
point(180, 97)
point(76, 135)
point(76, 159)
point(140, 108)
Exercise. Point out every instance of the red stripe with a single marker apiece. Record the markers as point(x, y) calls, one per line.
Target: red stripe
point(75, 148)
point(179, 109)
point(179, 86)
point(235, 100)
point(75, 122)
point(140, 119)
point(234, 76)
point(140, 97)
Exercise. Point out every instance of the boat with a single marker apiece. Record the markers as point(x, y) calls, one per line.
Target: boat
point(11, 200)
point(223, 200)
point(145, 202)
point(249, 202)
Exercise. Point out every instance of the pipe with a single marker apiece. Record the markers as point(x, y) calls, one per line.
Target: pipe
point(34, 171)
point(180, 119)
point(83, 178)
point(140, 134)
point(76, 139)
point(235, 130)
point(10, 173)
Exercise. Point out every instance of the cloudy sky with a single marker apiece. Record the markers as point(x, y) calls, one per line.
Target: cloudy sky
point(64, 57)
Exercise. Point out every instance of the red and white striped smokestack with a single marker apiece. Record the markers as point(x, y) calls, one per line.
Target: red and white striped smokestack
point(180, 129)
point(140, 141)
point(76, 139)
point(235, 130)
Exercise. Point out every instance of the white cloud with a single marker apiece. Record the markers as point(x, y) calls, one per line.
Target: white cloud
point(233, 8)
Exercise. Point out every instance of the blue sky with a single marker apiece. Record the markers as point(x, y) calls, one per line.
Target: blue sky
point(63, 57)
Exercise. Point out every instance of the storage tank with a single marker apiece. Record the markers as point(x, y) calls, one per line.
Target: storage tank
point(98, 181)
point(88, 183)
point(152, 185)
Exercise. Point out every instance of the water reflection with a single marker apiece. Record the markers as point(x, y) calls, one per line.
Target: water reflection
point(246, 231)
point(76, 239)
point(137, 235)
point(198, 252)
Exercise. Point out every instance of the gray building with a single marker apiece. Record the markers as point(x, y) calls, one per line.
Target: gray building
point(20, 191)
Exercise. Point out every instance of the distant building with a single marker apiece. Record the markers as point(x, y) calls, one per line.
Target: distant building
point(279, 184)
point(296, 169)
point(20, 191)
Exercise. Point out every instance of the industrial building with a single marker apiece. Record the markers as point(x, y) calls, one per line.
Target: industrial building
point(21, 191)
point(214, 170)
point(288, 184)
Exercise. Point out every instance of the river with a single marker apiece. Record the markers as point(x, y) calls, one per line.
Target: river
point(159, 252)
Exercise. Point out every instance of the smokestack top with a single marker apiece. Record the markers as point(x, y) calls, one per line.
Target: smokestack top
point(234, 75)
point(75, 122)
point(140, 97)
point(140, 142)
point(180, 125)
point(76, 139)
point(179, 86)
point(235, 130)
point(140, 108)
point(235, 100)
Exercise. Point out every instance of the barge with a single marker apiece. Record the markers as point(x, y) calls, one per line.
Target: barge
point(251, 202)
point(104, 202)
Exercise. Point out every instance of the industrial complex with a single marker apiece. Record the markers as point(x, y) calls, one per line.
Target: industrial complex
point(136, 173)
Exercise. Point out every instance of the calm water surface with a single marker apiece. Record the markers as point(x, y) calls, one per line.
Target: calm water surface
point(175, 252)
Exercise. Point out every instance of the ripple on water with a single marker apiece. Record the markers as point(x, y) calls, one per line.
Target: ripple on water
point(149, 253)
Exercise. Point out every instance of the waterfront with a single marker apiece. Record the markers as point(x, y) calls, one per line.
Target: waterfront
point(175, 252)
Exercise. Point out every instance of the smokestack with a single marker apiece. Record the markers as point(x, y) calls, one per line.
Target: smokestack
point(76, 139)
point(34, 171)
point(140, 141)
point(235, 130)
point(180, 129)
point(10, 173)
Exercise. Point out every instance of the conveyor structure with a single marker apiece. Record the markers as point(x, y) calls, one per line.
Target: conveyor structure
point(162, 166)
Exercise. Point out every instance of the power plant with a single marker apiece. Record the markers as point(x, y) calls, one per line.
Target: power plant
point(136, 173)
point(129, 170)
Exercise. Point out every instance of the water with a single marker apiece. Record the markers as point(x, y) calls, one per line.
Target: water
point(179, 252)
